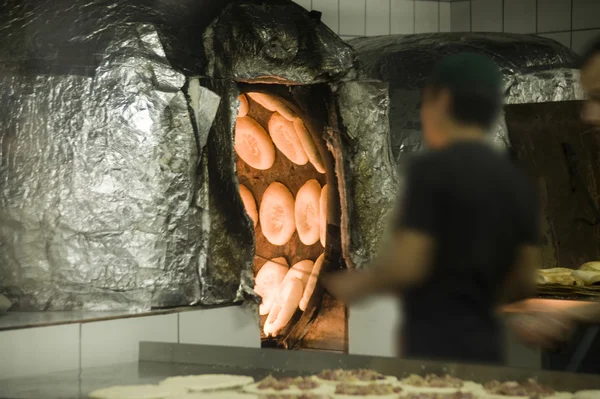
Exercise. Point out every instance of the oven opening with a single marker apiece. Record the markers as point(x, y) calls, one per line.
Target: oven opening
point(289, 190)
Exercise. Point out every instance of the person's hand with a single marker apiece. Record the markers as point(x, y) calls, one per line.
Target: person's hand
point(545, 329)
point(347, 286)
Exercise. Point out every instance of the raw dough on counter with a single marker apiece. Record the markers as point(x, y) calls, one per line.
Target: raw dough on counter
point(138, 392)
point(290, 388)
point(354, 377)
point(217, 395)
point(208, 382)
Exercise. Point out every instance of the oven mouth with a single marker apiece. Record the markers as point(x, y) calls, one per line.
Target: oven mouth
point(286, 270)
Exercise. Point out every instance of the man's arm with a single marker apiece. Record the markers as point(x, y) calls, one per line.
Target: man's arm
point(406, 259)
point(520, 283)
point(405, 262)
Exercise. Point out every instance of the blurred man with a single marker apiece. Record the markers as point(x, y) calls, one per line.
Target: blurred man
point(547, 327)
point(467, 235)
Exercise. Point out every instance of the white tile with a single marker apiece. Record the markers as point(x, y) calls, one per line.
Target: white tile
point(586, 14)
point(554, 15)
point(373, 327)
point(486, 15)
point(352, 17)
point(563, 38)
point(583, 39)
point(32, 351)
point(378, 17)
point(304, 3)
point(519, 16)
point(445, 17)
point(229, 326)
point(330, 11)
point(460, 16)
point(117, 341)
point(519, 355)
point(403, 16)
point(427, 16)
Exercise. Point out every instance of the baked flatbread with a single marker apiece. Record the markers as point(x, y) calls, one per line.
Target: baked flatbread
point(561, 278)
point(208, 382)
point(138, 392)
point(354, 377)
point(595, 394)
point(588, 277)
point(590, 266)
point(273, 104)
point(453, 395)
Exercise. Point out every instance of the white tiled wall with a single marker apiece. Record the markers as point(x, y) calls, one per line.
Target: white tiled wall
point(43, 350)
point(373, 327)
point(570, 22)
point(354, 18)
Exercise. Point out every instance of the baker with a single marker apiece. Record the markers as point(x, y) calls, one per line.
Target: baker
point(467, 236)
point(547, 327)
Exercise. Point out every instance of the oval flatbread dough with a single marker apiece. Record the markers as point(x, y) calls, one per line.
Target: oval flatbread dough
point(284, 307)
point(249, 204)
point(312, 283)
point(273, 104)
point(138, 392)
point(253, 144)
point(323, 215)
point(267, 281)
point(307, 212)
point(310, 148)
point(277, 214)
point(208, 382)
point(244, 107)
point(286, 140)
point(301, 271)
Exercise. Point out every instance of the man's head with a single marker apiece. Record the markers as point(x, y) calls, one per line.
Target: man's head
point(461, 99)
point(590, 80)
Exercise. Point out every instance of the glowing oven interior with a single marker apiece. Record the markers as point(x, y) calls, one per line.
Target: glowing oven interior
point(283, 169)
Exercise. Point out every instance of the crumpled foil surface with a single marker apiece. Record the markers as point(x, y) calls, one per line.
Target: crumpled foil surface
point(228, 253)
point(275, 41)
point(535, 69)
point(98, 173)
point(365, 167)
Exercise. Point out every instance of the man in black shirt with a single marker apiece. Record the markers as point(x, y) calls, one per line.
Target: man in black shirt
point(466, 238)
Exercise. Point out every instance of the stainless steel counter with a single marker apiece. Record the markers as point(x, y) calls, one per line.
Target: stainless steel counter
point(161, 360)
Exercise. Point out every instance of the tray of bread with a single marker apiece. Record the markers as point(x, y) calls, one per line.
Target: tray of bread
point(336, 384)
point(561, 281)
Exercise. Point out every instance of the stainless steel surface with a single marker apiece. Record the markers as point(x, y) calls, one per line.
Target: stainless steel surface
point(302, 362)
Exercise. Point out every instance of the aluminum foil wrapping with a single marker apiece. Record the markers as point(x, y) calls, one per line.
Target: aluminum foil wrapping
point(364, 166)
point(275, 41)
point(98, 173)
point(535, 69)
point(228, 254)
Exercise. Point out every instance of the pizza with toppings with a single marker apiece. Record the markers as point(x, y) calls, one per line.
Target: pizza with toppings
point(373, 390)
point(301, 396)
point(430, 395)
point(288, 386)
point(433, 383)
point(512, 389)
point(356, 377)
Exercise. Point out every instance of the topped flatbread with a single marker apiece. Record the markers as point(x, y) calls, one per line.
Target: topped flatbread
point(208, 382)
point(431, 395)
point(217, 395)
point(138, 392)
point(433, 383)
point(516, 390)
point(355, 377)
point(288, 386)
point(370, 391)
